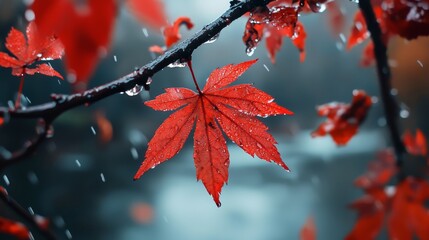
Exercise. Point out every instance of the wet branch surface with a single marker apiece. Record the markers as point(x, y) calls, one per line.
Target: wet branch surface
point(390, 104)
point(46, 232)
point(61, 103)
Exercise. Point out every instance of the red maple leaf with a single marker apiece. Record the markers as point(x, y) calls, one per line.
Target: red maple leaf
point(234, 109)
point(172, 35)
point(28, 51)
point(84, 28)
point(343, 119)
point(25, 52)
point(415, 145)
point(274, 23)
point(308, 231)
point(148, 11)
point(380, 171)
point(13, 228)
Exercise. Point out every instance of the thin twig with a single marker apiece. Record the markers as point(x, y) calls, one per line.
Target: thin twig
point(22, 212)
point(390, 105)
point(181, 52)
point(42, 130)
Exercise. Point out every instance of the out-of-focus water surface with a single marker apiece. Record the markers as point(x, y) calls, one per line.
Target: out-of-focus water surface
point(86, 187)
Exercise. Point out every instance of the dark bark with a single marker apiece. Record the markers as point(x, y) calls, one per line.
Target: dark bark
point(390, 105)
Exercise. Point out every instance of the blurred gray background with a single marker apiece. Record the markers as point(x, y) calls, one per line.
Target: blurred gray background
point(261, 201)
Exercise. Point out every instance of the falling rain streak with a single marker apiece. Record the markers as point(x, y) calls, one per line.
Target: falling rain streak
point(93, 130)
point(68, 234)
point(6, 180)
point(102, 177)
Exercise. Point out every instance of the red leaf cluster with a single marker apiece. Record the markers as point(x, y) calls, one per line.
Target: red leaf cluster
point(406, 18)
point(401, 209)
point(343, 119)
point(415, 145)
point(172, 35)
point(274, 23)
point(380, 171)
point(26, 52)
point(218, 106)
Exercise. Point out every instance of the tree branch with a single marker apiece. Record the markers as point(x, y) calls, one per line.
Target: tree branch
point(391, 108)
point(180, 52)
point(32, 219)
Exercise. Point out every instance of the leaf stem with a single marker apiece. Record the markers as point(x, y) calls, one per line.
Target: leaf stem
point(189, 63)
point(390, 105)
point(20, 89)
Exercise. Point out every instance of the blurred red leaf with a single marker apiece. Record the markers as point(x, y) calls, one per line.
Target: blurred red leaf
point(415, 145)
point(360, 33)
point(371, 210)
point(15, 229)
point(308, 231)
point(172, 35)
point(28, 51)
point(343, 119)
point(335, 16)
point(275, 23)
point(407, 18)
point(400, 209)
point(379, 172)
point(104, 126)
point(148, 11)
point(409, 216)
point(142, 212)
point(233, 108)
point(84, 28)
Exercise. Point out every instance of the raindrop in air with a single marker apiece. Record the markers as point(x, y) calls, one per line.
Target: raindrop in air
point(6, 180)
point(68, 234)
point(134, 153)
point(93, 130)
point(420, 63)
point(145, 32)
point(32, 178)
point(404, 113)
point(78, 163)
point(266, 68)
point(134, 91)
point(115, 58)
point(102, 177)
point(29, 15)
